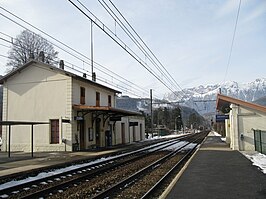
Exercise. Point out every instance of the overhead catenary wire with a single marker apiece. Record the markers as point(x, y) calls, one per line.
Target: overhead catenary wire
point(105, 68)
point(79, 70)
point(133, 39)
point(104, 28)
point(114, 16)
point(146, 45)
point(59, 42)
point(232, 42)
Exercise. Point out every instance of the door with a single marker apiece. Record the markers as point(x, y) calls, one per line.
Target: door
point(82, 135)
point(98, 132)
point(123, 133)
point(108, 138)
point(134, 134)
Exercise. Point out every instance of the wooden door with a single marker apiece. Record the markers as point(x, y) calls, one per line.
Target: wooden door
point(98, 132)
point(82, 135)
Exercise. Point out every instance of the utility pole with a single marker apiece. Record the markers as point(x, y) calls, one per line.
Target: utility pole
point(92, 74)
point(151, 114)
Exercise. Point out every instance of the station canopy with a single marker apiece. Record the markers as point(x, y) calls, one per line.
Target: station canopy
point(106, 111)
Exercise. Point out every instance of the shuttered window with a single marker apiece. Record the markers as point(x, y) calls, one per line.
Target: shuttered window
point(109, 101)
point(54, 131)
point(82, 95)
point(97, 99)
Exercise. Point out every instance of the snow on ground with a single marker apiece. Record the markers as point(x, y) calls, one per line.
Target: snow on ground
point(50, 173)
point(258, 159)
point(70, 168)
point(213, 133)
point(175, 146)
point(165, 136)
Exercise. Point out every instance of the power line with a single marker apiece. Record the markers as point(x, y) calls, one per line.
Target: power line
point(143, 90)
point(104, 28)
point(145, 44)
point(133, 39)
point(232, 43)
point(80, 70)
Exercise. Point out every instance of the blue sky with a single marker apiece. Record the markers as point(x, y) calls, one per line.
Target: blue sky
point(192, 38)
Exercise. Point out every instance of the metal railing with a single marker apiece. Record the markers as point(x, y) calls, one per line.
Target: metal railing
point(260, 141)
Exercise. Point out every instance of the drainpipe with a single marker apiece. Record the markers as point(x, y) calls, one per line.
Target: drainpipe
point(239, 136)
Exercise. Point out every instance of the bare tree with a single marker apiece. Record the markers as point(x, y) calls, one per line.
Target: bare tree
point(29, 45)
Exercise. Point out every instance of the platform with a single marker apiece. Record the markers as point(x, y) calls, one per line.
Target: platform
point(218, 172)
point(21, 161)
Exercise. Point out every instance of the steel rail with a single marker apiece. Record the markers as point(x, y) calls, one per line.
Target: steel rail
point(153, 189)
point(116, 158)
point(108, 192)
point(93, 173)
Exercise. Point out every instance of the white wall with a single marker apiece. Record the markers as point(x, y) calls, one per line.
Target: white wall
point(129, 130)
point(242, 121)
point(90, 94)
point(37, 93)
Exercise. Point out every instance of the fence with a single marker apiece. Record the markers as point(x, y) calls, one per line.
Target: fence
point(260, 141)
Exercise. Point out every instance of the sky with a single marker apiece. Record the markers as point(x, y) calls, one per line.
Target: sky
point(191, 39)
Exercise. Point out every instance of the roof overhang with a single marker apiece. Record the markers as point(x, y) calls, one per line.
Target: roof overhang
point(225, 101)
point(11, 123)
point(106, 110)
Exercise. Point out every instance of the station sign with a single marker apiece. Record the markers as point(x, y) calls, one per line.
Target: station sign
point(115, 118)
point(65, 120)
point(221, 118)
point(133, 123)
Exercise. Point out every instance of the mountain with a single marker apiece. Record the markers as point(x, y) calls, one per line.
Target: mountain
point(143, 104)
point(260, 101)
point(203, 98)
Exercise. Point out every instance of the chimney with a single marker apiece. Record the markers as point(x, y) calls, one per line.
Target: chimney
point(41, 56)
point(94, 77)
point(61, 64)
point(84, 75)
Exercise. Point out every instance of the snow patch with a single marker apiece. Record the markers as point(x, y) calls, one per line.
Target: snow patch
point(258, 160)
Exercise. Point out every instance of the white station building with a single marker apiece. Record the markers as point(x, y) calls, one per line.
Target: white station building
point(80, 113)
point(246, 126)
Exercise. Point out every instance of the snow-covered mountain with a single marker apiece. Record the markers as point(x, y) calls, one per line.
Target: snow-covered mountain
point(202, 98)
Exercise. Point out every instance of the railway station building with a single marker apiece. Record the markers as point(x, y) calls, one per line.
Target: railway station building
point(80, 113)
point(246, 126)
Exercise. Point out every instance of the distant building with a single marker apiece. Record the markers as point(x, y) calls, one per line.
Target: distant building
point(246, 126)
point(81, 113)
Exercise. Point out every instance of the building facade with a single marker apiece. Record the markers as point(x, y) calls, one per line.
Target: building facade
point(80, 113)
point(244, 119)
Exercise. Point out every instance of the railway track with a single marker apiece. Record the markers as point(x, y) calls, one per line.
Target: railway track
point(146, 182)
point(71, 178)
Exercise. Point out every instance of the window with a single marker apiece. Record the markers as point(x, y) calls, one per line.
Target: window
point(109, 101)
point(54, 131)
point(97, 99)
point(82, 95)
